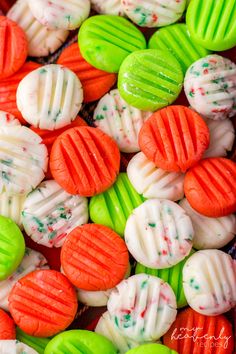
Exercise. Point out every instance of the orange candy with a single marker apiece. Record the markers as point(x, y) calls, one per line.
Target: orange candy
point(13, 47)
point(96, 83)
point(94, 257)
point(193, 333)
point(84, 161)
point(210, 187)
point(174, 138)
point(7, 326)
point(43, 303)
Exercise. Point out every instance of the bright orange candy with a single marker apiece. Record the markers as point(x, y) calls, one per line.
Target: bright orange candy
point(43, 303)
point(96, 83)
point(7, 326)
point(210, 187)
point(13, 47)
point(84, 161)
point(193, 333)
point(174, 138)
point(94, 257)
point(8, 89)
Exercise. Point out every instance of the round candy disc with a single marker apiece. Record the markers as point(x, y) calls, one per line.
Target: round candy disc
point(94, 257)
point(13, 47)
point(210, 187)
point(213, 25)
point(50, 97)
point(7, 327)
point(142, 307)
point(43, 303)
point(106, 40)
point(152, 349)
point(12, 247)
point(84, 161)
point(150, 79)
point(108, 7)
point(209, 278)
point(39, 344)
point(16, 347)
point(174, 138)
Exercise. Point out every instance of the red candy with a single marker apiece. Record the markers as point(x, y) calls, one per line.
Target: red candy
point(7, 326)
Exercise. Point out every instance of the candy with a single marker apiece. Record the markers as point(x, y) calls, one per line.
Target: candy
point(142, 307)
point(106, 40)
point(120, 121)
point(153, 182)
point(209, 278)
point(210, 232)
point(94, 257)
point(213, 25)
point(39, 344)
point(113, 207)
point(16, 347)
point(150, 79)
point(7, 327)
point(12, 247)
point(209, 187)
point(7, 119)
point(67, 14)
point(155, 13)
point(31, 261)
point(43, 303)
point(194, 333)
point(41, 40)
point(50, 97)
point(95, 82)
point(13, 44)
point(11, 206)
point(159, 234)
point(210, 87)
point(174, 138)
point(173, 276)
point(78, 342)
point(84, 161)
point(152, 349)
point(177, 40)
point(109, 7)
point(50, 214)
point(23, 159)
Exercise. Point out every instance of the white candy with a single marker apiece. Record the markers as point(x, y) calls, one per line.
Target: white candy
point(142, 308)
point(153, 13)
point(210, 87)
point(210, 232)
point(23, 159)
point(108, 7)
point(15, 347)
point(11, 206)
point(41, 40)
point(63, 14)
point(120, 121)
point(50, 97)
point(209, 279)
point(32, 261)
point(7, 119)
point(50, 214)
point(153, 182)
point(159, 234)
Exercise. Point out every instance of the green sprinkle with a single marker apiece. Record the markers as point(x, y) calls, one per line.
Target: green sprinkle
point(116, 321)
point(5, 176)
point(42, 71)
point(52, 235)
point(104, 108)
point(7, 162)
point(152, 224)
point(99, 117)
point(144, 284)
point(205, 65)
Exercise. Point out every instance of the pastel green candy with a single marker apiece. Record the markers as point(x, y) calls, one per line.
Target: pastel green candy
point(177, 40)
point(173, 276)
point(151, 349)
point(39, 344)
point(79, 342)
point(113, 207)
point(212, 24)
point(12, 247)
point(150, 79)
point(106, 40)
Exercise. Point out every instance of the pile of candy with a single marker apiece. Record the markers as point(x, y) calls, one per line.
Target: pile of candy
point(138, 203)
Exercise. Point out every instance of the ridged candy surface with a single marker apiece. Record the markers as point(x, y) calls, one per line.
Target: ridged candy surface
point(16, 347)
point(108, 7)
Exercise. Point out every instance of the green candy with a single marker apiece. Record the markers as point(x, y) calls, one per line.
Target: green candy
point(150, 79)
point(173, 276)
point(177, 40)
point(106, 40)
point(113, 207)
point(212, 23)
point(80, 342)
point(39, 344)
point(151, 349)
point(12, 247)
